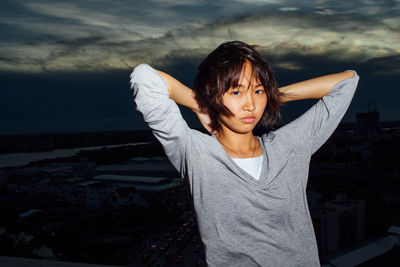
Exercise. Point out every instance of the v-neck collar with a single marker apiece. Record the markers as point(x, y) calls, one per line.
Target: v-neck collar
point(242, 173)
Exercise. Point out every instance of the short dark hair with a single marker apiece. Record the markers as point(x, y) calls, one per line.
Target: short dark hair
point(222, 69)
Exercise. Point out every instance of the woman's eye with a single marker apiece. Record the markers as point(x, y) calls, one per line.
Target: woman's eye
point(259, 91)
point(235, 93)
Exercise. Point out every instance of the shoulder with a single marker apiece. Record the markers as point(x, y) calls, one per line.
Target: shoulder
point(200, 138)
point(203, 145)
point(271, 137)
point(278, 142)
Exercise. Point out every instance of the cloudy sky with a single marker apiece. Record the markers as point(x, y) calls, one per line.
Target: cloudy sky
point(64, 65)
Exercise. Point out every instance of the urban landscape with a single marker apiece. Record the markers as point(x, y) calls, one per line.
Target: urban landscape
point(118, 201)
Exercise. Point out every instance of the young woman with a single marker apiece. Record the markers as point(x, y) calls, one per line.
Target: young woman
point(249, 192)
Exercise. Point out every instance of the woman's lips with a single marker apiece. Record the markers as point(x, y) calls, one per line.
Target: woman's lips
point(248, 119)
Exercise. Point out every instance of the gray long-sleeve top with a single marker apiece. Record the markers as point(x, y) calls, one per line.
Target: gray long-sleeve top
point(243, 221)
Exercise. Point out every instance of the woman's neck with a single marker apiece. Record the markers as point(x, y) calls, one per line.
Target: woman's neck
point(239, 145)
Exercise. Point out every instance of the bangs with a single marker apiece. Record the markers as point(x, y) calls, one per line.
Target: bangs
point(235, 73)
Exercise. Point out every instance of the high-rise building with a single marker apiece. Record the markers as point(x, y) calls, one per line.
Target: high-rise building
point(367, 121)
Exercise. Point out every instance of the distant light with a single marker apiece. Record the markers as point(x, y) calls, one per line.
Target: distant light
point(169, 185)
point(28, 213)
point(288, 8)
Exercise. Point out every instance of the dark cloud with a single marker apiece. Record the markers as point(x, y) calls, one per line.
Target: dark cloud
point(384, 67)
point(64, 36)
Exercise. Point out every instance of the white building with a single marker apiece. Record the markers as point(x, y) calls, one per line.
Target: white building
point(126, 196)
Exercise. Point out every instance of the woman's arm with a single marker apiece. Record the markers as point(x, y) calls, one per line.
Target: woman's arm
point(314, 88)
point(161, 113)
point(184, 96)
point(335, 92)
point(179, 92)
point(310, 89)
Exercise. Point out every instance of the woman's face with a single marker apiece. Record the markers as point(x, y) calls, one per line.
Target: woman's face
point(247, 102)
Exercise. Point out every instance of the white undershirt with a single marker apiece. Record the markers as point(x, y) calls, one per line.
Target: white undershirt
point(250, 165)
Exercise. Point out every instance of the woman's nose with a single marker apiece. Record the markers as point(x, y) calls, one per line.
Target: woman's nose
point(249, 105)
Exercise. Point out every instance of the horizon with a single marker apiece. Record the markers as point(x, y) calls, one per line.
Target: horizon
point(200, 128)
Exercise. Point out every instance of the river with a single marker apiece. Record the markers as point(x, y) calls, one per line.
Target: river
point(23, 158)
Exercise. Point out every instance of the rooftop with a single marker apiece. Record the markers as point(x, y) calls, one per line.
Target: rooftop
point(364, 253)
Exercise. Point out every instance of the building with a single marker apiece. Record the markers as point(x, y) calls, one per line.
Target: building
point(97, 193)
point(126, 196)
point(338, 223)
point(326, 227)
point(155, 167)
point(367, 121)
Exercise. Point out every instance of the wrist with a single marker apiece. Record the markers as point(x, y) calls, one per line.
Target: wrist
point(195, 108)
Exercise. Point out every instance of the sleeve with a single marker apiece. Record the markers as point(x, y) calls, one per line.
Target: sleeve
point(161, 113)
point(312, 129)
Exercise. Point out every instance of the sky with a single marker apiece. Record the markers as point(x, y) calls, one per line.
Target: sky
point(65, 65)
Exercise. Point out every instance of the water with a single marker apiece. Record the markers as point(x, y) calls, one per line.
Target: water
point(23, 158)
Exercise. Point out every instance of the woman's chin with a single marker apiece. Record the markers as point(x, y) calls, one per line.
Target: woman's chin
point(242, 130)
